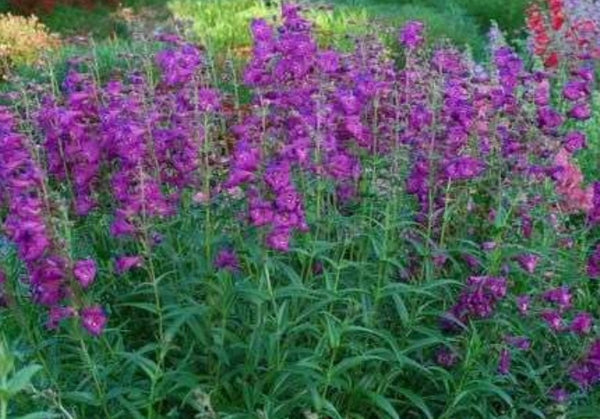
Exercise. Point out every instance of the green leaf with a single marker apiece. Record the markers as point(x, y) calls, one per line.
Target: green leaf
point(383, 404)
point(22, 378)
point(81, 397)
point(39, 415)
point(417, 401)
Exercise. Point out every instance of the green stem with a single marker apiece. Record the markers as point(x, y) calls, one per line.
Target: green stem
point(92, 369)
point(3, 409)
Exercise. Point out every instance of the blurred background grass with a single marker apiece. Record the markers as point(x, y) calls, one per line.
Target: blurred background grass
point(223, 25)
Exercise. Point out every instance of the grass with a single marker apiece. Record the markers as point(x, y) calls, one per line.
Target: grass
point(101, 22)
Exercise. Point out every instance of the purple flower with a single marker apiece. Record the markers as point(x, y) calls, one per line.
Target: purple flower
point(559, 395)
point(593, 265)
point(553, 319)
point(587, 372)
point(582, 323)
point(471, 261)
point(94, 320)
point(581, 112)
point(526, 225)
point(227, 259)
point(504, 362)
point(446, 357)
point(520, 342)
point(560, 296)
point(58, 314)
point(594, 212)
point(279, 239)
point(548, 118)
point(575, 140)
point(48, 281)
point(464, 168)
point(411, 35)
point(528, 262)
point(523, 302)
point(575, 90)
point(126, 263)
point(480, 298)
point(488, 246)
point(84, 271)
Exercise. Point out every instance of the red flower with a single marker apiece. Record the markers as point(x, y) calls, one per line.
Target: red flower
point(552, 60)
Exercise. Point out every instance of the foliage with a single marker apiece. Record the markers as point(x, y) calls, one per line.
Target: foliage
point(332, 233)
point(23, 41)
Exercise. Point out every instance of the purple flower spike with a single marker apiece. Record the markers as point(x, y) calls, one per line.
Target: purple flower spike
point(411, 35)
point(94, 320)
point(85, 272)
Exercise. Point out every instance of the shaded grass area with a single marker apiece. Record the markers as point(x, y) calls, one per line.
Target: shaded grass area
point(223, 24)
point(100, 22)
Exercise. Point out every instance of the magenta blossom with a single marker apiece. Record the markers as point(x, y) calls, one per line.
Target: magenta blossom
point(504, 362)
point(523, 302)
point(227, 259)
point(58, 314)
point(446, 357)
point(85, 272)
point(559, 395)
point(94, 320)
point(582, 323)
point(553, 319)
point(126, 263)
point(520, 342)
point(528, 262)
point(560, 296)
point(411, 35)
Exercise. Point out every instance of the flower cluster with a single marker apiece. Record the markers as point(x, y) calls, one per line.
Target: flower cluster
point(27, 226)
point(479, 299)
point(586, 373)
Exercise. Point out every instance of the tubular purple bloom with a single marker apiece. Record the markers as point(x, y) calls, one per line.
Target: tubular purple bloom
point(559, 395)
point(575, 140)
point(279, 239)
point(126, 263)
point(520, 342)
point(504, 362)
point(58, 314)
point(446, 357)
point(528, 262)
point(560, 296)
point(553, 319)
point(581, 112)
point(94, 320)
point(594, 212)
point(84, 271)
point(582, 323)
point(227, 259)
